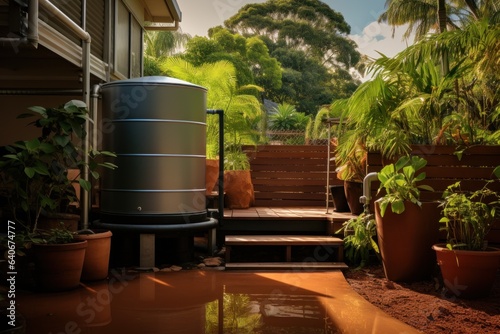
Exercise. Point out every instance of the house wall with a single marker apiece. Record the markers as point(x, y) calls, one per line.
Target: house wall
point(56, 63)
point(13, 129)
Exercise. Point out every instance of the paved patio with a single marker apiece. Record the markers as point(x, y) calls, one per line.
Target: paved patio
point(208, 301)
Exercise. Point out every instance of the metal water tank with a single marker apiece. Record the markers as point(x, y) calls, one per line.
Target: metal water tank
point(157, 128)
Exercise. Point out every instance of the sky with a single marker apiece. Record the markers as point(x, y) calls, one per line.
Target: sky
point(200, 15)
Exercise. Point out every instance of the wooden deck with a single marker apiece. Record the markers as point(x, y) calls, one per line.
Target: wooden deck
point(288, 242)
point(281, 220)
point(290, 213)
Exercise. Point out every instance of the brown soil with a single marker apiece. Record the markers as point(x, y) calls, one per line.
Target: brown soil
point(426, 305)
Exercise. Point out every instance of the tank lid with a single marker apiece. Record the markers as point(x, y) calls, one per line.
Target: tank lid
point(152, 80)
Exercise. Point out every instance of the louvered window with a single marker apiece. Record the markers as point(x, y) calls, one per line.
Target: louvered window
point(96, 11)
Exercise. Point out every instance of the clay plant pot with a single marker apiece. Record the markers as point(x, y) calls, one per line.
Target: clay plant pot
point(238, 189)
point(96, 264)
point(405, 241)
point(211, 174)
point(468, 274)
point(353, 191)
point(59, 267)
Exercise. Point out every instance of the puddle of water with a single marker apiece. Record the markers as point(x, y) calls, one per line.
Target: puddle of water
point(197, 301)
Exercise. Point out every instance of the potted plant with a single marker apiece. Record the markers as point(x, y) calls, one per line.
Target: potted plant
point(238, 187)
point(35, 171)
point(351, 162)
point(359, 243)
point(406, 227)
point(468, 265)
point(58, 258)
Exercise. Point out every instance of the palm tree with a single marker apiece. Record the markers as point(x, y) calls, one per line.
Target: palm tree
point(410, 102)
point(424, 16)
point(242, 113)
point(162, 43)
point(159, 44)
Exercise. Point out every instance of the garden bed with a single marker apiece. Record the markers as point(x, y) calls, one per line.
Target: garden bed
point(425, 305)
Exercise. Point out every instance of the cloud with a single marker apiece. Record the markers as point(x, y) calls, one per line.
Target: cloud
point(377, 37)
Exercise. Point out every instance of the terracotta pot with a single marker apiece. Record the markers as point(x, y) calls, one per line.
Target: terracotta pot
point(96, 264)
point(211, 174)
point(405, 241)
point(468, 274)
point(353, 191)
point(59, 267)
point(238, 188)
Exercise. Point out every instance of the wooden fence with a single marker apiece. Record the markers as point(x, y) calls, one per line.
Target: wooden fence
point(290, 175)
point(444, 168)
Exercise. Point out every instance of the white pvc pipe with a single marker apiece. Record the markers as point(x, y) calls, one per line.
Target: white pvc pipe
point(365, 199)
point(85, 37)
point(33, 22)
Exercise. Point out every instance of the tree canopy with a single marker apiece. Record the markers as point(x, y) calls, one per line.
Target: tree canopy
point(310, 41)
point(249, 55)
point(307, 25)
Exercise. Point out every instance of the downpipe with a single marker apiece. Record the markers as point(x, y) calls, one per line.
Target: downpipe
point(220, 113)
point(85, 37)
point(32, 33)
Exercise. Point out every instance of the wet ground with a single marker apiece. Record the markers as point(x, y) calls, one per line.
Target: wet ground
point(208, 301)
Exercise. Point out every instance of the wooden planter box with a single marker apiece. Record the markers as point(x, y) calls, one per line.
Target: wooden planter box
point(444, 168)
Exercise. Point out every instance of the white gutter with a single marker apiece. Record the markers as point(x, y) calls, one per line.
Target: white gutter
point(175, 13)
point(85, 37)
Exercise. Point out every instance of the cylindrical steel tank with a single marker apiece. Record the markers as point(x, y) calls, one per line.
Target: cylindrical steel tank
point(157, 128)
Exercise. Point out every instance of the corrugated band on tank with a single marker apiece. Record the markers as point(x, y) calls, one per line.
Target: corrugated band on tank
point(160, 155)
point(156, 190)
point(155, 120)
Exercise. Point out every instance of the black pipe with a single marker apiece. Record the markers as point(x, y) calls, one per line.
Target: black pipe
point(220, 113)
point(211, 223)
point(23, 91)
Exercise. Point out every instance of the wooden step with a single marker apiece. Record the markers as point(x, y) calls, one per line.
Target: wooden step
point(295, 266)
point(288, 241)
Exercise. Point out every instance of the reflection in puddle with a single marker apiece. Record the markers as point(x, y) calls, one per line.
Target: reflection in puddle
point(197, 301)
point(249, 313)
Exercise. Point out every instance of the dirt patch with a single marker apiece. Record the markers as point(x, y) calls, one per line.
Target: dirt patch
point(426, 305)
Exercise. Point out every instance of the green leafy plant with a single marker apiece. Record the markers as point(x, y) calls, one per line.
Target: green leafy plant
point(35, 171)
point(351, 161)
point(58, 235)
point(468, 216)
point(359, 233)
point(25, 239)
point(399, 180)
point(236, 159)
